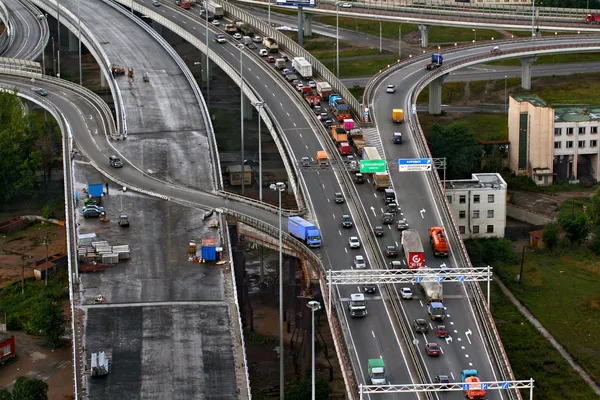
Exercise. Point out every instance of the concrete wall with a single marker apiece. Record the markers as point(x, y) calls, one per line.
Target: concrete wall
point(521, 214)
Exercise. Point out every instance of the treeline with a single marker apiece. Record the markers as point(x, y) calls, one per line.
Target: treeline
point(30, 146)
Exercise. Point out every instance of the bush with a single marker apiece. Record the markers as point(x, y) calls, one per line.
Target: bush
point(30, 389)
point(47, 211)
point(551, 234)
point(491, 251)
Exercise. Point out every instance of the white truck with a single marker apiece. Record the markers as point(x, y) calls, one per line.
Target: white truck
point(324, 90)
point(433, 291)
point(357, 305)
point(214, 9)
point(302, 67)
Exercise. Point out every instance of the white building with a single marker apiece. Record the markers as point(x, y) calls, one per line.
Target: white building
point(479, 205)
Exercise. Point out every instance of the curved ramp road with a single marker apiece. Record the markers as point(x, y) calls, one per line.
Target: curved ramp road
point(30, 33)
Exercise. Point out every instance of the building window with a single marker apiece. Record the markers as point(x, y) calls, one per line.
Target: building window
point(557, 131)
point(475, 213)
point(593, 129)
point(476, 198)
point(570, 131)
point(461, 229)
point(462, 199)
point(582, 130)
point(570, 144)
point(593, 143)
point(449, 199)
point(490, 198)
point(557, 145)
point(475, 228)
point(490, 213)
point(461, 214)
point(581, 144)
point(490, 229)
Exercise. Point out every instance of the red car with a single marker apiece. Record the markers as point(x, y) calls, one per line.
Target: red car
point(270, 59)
point(441, 331)
point(433, 349)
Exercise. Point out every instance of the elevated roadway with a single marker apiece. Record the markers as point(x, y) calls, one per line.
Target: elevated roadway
point(29, 33)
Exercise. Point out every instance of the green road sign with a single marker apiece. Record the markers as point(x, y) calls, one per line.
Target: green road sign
point(372, 166)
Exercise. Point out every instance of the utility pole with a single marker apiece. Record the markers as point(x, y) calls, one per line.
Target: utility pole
point(23, 258)
point(522, 262)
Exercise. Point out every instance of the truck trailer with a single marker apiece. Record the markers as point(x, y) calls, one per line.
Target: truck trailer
point(439, 244)
point(338, 134)
point(302, 66)
point(305, 231)
point(324, 90)
point(434, 291)
point(413, 249)
point(214, 9)
point(357, 305)
point(271, 45)
point(377, 371)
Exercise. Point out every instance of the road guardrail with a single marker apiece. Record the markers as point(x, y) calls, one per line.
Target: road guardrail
point(7, 35)
point(45, 31)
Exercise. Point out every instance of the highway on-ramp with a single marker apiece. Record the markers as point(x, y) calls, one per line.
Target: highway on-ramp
point(29, 31)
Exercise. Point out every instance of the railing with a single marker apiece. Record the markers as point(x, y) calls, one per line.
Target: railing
point(45, 31)
point(7, 36)
point(295, 49)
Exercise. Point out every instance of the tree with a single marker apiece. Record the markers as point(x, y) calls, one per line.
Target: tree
point(30, 389)
point(302, 390)
point(595, 208)
point(48, 322)
point(595, 243)
point(5, 395)
point(457, 143)
point(577, 226)
point(550, 235)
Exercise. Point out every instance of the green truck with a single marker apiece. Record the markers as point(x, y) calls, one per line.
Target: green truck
point(377, 371)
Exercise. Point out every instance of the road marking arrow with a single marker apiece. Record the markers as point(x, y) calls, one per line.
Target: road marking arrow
point(467, 333)
point(422, 212)
point(449, 340)
point(373, 209)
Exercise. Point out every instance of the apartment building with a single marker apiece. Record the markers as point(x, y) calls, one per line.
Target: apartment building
point(553, 143)
point(479, 205)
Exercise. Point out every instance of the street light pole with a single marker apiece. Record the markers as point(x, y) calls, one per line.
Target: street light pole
point(314, 306)
point(241, 47)
point(79, 29)
point(532, 19)
point(474, 34)
point(380, 36)
point(58, 20)
point(207, 58)
point(269, 12)
point(400, 41)
point(505, 98)
point(280, 187)
point(259, 106)
point(337, 39)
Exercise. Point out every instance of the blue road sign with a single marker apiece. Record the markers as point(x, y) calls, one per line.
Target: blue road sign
point(418, 279)
point(504, 385)
point(415, 164)
point(484, 386)
point(440, 279)
point(414, 109)
point(461, 278)
point(466, 386)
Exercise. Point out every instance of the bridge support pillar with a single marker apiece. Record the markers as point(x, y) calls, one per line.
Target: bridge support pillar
point(424, 36)
point(435, 95)
point(102, 80)
point(248, 108)
point(526, 71)
point(300, 26)
point(157, 27)
point(73, 42)
point(308, 18)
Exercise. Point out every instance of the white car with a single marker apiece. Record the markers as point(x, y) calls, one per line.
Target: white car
point(299, 87)
point(215, 22)
point(237, 36)
point(257, 39)
point(312, 84)
point(346, 5)
point(359, 262)
point(406, 293)
point(263, 52)
point(390, 89)
point(354, 242)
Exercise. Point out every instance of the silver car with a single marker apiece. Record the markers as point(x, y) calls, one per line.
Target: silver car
point(406, 293)
point(354, 242)
point(390, 89)
point(359, 262)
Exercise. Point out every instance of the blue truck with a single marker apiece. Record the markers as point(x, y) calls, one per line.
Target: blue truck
point(305, 231)
point(436, 310)
point(437, 60)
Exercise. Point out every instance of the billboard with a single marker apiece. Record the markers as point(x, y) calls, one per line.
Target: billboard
point(297, 3)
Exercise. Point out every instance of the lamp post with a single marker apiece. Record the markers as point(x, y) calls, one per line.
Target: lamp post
point(259, 106)
point(400, 41)
point(58, 24)
point(337, 39)
point(241, 48)
point(280, 187)
point(474, 34)
point(79, 31)
point(532, 19)
point(505, 98)
point(314, 306)
point(207, 57)
point(269, 12)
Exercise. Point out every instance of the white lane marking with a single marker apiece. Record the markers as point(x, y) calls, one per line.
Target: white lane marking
point(346, 249)
point(373, 333)
point(295, 124)
point(396, 243)
point(340, 232)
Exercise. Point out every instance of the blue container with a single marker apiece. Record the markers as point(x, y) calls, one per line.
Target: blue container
point(209, 253)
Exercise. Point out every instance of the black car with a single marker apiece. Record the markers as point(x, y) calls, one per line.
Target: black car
point(387, 218)
point(359, 178)
point(421, 325)
point(346, 221)
point(40, 91)
point(378, 230)
point(391, 251)
point(370, 288)
point(442, 379)
point(115, 162)
point(338, 198)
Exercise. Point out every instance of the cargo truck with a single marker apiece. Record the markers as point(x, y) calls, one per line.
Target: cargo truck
point(357, 305)
point(434, 291)
point(436, 310)
point(322, 158)
point(280, 63)
point(186, 5)
point(474, 391)
point(271, 45)
point(381, 180)
point(437, 60)
point(397, 115)
point(356, 137)
point(413, 249)
point(324, 90)
point(231, 29)
point(339, 107)
point(305, 231)
point(302, 67)
point(592, 19)
point(438, 241)
point(214, 9)
point(338, 134)
point(377, 371)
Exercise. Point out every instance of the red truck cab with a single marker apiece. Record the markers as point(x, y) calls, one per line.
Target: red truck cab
point(345, 149)
point(186, 5)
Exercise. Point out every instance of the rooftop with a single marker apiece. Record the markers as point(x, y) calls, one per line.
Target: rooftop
point(481, 181)
point(531, 98)
point(577, 113)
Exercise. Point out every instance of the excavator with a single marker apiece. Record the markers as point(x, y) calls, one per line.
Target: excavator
point(438, 241)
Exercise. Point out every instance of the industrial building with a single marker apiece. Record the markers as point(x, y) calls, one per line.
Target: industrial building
point(479, 205)
point(553, 143)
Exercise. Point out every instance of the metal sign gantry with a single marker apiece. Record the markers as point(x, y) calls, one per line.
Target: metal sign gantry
point(307, 164)
point(447, 387)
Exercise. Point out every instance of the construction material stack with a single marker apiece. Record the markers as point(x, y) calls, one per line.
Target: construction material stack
point(357, 140)
point(438, 241)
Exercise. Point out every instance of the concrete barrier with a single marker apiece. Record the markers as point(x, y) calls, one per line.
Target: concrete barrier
point(521, 214)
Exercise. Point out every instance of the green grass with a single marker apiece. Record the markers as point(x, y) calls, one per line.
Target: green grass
point(346, 53)
point(357, 92)
point(388, 29)
point(444, 34)
point(486, 126)
point(532, 356)
point(559, 90)
point(362, 67)
point(451, 91)
point(561, 290)
point(548, 59)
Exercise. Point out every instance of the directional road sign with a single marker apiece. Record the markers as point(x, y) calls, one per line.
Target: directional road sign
point(414, 164)
point(504, 385)
point(461, 278)
point(484, 386)
point(372, 166)
point(440, 279)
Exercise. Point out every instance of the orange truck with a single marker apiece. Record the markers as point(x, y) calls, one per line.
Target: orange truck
point(474, 392)
point(438, 241)
point(322, 158)
point(338, 134)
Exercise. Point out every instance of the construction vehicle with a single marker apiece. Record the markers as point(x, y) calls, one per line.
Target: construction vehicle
point(474, 391)
point(305, 231)
point(324, 90)
point(123, 221)
point(357, 305)
point(302, 67)
point(381, 181)
point(322, 158)
point(397, 115)
point(117, 70)
point(592, 19)
point(377, 371)
point(345, 149)
point(436, 310)
point(413, 249)
point(339, 107)
point(438, 241)
point(271, 45)
point(338, 134)
point(434, 291)
point(437, 60)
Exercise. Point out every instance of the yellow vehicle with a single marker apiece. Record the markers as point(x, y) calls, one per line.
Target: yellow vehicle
point(322, 158)
point(398, 115)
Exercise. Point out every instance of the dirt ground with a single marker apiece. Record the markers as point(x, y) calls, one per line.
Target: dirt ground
point(14, 244)
point(55, 367)
point(546, 204)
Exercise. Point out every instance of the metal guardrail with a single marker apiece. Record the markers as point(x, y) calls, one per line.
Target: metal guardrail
point(7, 35)
point(44, 29)
point(293, 48)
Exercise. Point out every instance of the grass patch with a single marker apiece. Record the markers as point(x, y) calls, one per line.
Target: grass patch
point(451, 91)
point(346, 53)
point(357, 92)
point(548, 59)
point(532, 356)
point(486, 126)
point(560, 90)
point(362, 67)
point(444, 34)
point(561, 289)
point(388, 29)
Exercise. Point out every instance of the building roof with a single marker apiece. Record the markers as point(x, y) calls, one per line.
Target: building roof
point(577, 113)
point(481, 181)
point(531, 98)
